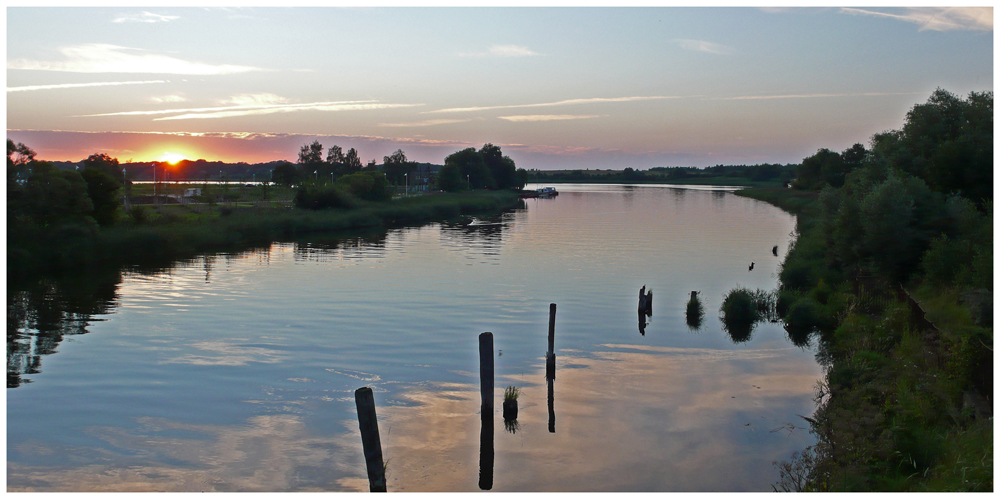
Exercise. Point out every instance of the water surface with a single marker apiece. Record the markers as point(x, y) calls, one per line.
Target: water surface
point(237, 372)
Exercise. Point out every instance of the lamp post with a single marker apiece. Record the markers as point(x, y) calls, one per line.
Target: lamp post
point(317, 175)
point(124, 189)
point(468, 183)
point(406, 184)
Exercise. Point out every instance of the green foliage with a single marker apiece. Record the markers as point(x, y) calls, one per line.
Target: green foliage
point(102, 189)
point(450, 178)
point(314, 196)
point(742, 308)
point(52, 196)
point(470, 164)
point(511, 393)
point(285, 174)
point(368, 185)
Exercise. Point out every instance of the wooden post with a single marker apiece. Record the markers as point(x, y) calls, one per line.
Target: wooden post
point(552, 410)
point(486, 433)
point(486, 372)
point(550, 355)
point(365, 401)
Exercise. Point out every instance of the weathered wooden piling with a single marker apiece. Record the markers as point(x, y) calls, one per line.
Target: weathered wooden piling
point(649, 303)
point(365, 401)
point(642, 299)
point(486, 388)
point(552, 410)
point(550, 354)
point(486, 372)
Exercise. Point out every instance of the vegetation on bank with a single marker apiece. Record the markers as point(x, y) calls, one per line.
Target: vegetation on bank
point(68, 220)
point(763, 175)
point(892, 274)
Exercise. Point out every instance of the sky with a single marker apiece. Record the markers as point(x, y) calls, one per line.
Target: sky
point(555, 88)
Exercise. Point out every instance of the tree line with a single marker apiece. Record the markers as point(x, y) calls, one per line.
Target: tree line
point(910, 215)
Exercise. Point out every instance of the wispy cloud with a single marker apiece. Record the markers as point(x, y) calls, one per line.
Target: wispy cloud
point(814, 96)
point(105, 58)
point(168, 98)
point(937, 18)
point(503, 51)
point(255, 109)
point(425, 123)
point(261, 99)
point(702, 46)
point(567, 102)
point(548, 117)
point(144, 17)
point(81, 85)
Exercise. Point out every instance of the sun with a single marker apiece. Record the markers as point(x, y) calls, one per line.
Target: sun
point(171, 157)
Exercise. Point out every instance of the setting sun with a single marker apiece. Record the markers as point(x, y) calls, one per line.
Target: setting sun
point(172, 158)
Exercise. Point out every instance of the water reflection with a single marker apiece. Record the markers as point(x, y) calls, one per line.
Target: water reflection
point(41, 314)
point(368, 245)
point(636, 419)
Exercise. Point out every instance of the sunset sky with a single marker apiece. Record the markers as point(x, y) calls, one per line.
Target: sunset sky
point(554, 87)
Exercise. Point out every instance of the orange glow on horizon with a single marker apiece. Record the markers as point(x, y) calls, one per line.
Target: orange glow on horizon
point(172, 157)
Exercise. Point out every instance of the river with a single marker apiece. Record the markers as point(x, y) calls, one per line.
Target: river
point(237, 372)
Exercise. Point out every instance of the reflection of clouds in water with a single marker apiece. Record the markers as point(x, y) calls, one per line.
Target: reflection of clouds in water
point(229, 353)
point(267, 453)
point(662, 419)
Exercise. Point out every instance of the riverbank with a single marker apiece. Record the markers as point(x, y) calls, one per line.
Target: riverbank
point(166, 233)
point(605, 179)
point(906, 404)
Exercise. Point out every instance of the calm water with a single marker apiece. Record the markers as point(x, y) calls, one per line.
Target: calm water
point(237, 372)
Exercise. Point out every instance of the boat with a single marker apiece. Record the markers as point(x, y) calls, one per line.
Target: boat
point(547, 192)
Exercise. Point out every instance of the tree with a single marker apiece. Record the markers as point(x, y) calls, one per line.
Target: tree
point(311, 153)
point(824, 167)
point(471, 165)
point(501, 167)
point(395, 166)
point(18, 158)
point(102, 189)
point(54, 196)
point(106, 164)
point(450, 178)
point(285, 174)
point(335, 155)
point(352, 163)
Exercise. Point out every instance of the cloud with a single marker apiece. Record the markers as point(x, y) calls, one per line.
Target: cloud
point(502, 51)
point(255, 109)
point(81, 85)
point(168, 98)
point(937, 18)
point(567, 102)
point(425, 123)
point(702, 46)
point(548, 117)
point(261, 99)
point(144, 17)
point(511, 51)
point(105, 58)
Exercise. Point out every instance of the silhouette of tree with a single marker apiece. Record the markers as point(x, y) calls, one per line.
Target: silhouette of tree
point(311, 153)
point(106, 164)
point(352, 163)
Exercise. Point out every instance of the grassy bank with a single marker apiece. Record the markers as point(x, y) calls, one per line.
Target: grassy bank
point(167, 233)
point(906, 401)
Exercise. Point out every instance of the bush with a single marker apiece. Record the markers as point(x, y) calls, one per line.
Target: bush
point(316, 197)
